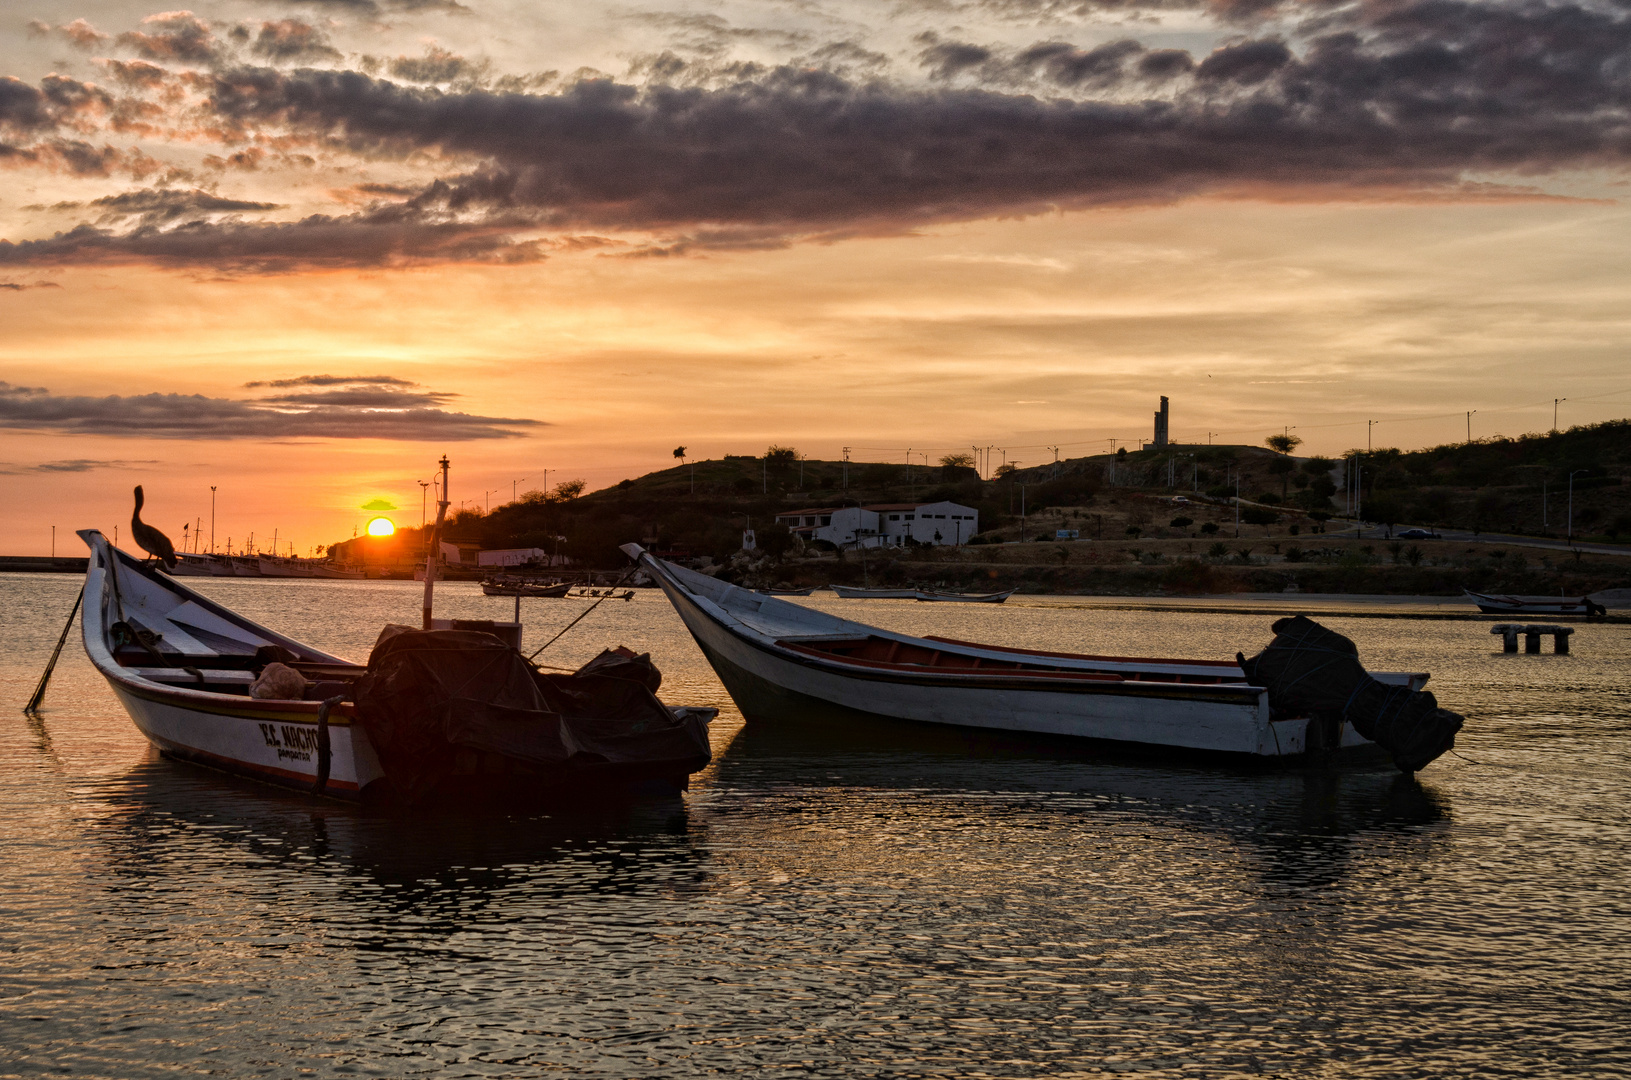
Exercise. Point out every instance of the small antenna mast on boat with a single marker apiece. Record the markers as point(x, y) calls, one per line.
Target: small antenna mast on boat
point(435, 544)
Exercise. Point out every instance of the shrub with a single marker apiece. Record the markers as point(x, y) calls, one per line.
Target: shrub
point(1218, 550)
point(1257, 515)
point(1294, 554)
point(1182, 522)
point(1134, 531)
point(1189, 576)
point(1210, 528)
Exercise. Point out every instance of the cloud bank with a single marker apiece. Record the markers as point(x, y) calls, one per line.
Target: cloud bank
point(346, 413)
point(1406, 96)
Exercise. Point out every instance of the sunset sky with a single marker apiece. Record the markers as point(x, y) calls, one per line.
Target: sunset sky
point(299, 249)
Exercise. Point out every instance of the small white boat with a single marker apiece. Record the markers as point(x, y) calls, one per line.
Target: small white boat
point(780, 660)
point(519, 587)
point(183, 667)
point(1496, 604)
point(850, 592)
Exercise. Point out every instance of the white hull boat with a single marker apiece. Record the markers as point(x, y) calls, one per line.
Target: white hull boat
point(779, 660)
point(1534, 605)
point(201, 711)
point(850, 592)
point(182, 666)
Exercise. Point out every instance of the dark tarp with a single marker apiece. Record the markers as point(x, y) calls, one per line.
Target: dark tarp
point(427, 691)
point(1314, 672)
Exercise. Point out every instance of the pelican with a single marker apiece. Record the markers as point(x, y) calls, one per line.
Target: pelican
point(150, 539)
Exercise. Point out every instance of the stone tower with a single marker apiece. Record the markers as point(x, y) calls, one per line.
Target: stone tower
point(1161, 424)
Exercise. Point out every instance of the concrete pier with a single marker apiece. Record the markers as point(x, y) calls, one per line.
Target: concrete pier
point(1531, 636)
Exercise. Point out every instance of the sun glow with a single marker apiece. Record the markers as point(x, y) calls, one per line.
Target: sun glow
point(381, 527)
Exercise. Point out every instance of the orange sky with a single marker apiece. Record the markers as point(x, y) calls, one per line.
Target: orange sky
point(730, 306)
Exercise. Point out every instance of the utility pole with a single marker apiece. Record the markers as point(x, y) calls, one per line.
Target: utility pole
point(53, 541)
point(1368, 425)
point(1572, 475)
point(1555, 402)
point(212, 519)
point(1543, 521)
point(846, 468)
point(1055, 450)
point(1469, 425)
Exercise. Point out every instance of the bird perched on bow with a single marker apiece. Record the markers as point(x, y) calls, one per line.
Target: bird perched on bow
point(150, 539)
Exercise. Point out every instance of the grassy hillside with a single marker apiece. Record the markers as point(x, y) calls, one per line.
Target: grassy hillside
point(1143, 541)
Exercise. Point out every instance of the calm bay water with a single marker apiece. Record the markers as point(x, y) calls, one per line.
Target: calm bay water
point(903, 908)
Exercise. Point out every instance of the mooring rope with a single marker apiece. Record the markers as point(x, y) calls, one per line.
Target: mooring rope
point(586, 611)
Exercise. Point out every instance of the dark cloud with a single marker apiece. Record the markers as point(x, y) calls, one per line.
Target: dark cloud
point(17, 286)
point(86, 465)
point(438, 66)
point(365, 398)
point(331, 380)
point(155, 206)
point(174, 36)
point(136, 74)
point(948, 59)
point(193, 416)
point(79, 33)
point(388, 237)
point(291, 39)
point(1400, 96)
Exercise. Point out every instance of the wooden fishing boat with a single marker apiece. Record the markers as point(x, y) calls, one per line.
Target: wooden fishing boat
point(850, 592)
point(785, 592)
point(1492, 604)
point(780, 660)
point(183, 667)
point(513, 587)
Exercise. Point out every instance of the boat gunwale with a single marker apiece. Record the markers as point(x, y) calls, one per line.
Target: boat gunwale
point(1084, 656)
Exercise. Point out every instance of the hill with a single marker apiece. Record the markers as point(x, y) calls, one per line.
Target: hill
point(1284, 533)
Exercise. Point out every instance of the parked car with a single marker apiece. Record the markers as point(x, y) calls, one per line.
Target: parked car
point(1179, 500)
point(1417, 534)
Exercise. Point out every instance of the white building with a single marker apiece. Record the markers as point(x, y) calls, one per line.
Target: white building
point(511, 556)
point(885, 524)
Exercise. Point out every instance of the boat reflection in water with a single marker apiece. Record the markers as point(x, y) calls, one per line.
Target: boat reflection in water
point(1303, 826)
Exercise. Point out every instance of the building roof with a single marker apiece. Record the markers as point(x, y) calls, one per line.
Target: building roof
point(914, 505)
point(811, 510)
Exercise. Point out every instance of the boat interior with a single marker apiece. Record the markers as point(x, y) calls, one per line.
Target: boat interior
point(876, 651)
point(161, 631)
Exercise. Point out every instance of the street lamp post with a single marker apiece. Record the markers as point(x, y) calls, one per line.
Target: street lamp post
point(512, 487)
point(424, 486)
point(1555, 402)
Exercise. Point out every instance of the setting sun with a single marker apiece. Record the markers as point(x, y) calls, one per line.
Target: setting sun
point(381, 527)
